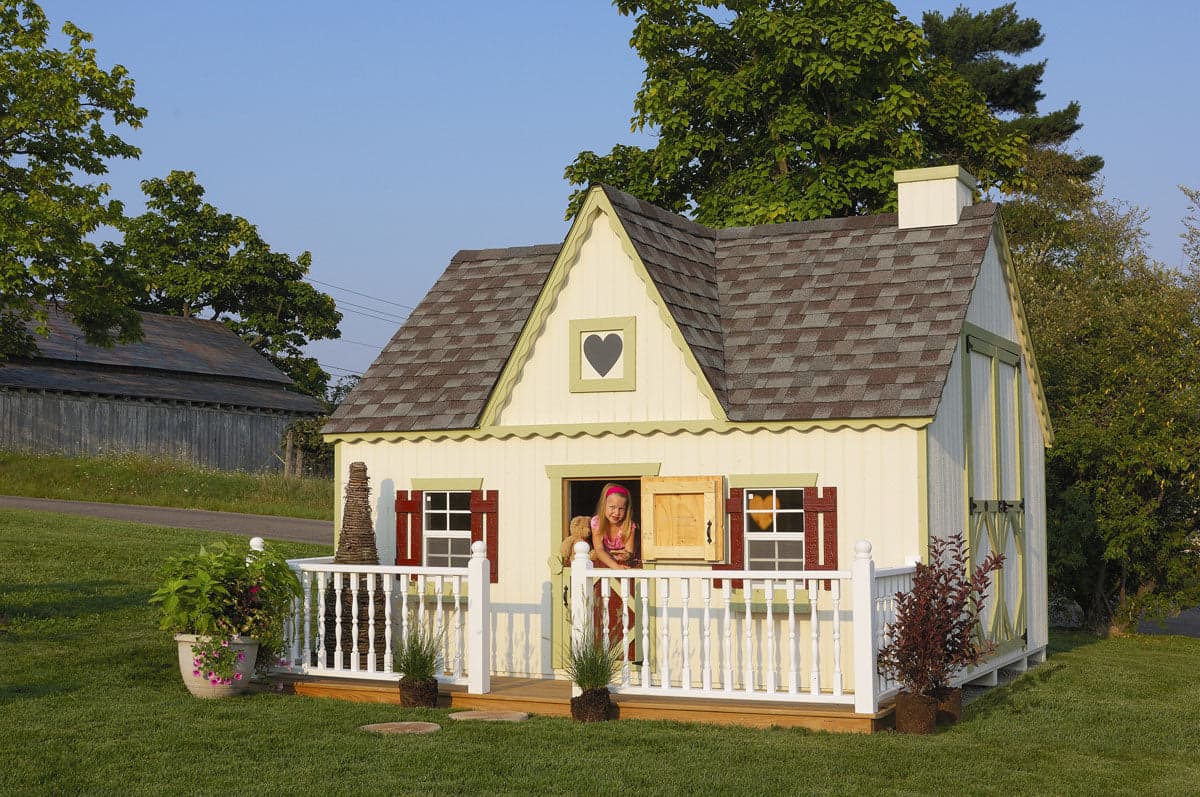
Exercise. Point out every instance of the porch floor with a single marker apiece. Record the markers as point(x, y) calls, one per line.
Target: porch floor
point(550, 697)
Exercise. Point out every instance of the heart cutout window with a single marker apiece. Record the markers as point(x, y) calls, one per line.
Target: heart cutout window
point(761, 509)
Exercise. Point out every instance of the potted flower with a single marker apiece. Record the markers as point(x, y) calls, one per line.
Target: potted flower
point(592, 663)
point(226, 610)
point(934, 635)
point(418, 656)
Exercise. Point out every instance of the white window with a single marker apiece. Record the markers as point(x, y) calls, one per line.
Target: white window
point(447, 525)
point(774, 527)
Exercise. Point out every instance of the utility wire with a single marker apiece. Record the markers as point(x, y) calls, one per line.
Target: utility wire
point(364, 295)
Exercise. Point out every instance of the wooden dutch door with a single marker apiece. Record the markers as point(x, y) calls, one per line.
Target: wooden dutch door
point(996, 500)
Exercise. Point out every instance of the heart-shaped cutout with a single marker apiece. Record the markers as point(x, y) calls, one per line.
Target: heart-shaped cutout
point(603, 352)
point(763, 502)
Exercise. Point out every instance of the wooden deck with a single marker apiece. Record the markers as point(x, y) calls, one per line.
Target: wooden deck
point(552, 698)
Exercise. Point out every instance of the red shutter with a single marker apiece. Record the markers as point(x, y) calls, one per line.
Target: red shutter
point(820, 515)
point(735, 507)
point(484, 526)
point(409, 523)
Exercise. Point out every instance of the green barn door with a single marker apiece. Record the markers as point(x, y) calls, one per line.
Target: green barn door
point(996, 496)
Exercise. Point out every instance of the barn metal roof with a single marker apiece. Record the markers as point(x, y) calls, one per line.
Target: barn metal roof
point(178, 359)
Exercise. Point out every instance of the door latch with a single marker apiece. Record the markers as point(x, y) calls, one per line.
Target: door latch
point(708, 533)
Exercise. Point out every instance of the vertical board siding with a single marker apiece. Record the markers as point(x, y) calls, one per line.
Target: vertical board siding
point(229, 439)
point(602, 283)
point(947, 458)
point(874, 503)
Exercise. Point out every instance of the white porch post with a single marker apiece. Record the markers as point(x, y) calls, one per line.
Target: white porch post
point(580, 598)
point(866, 652)
point(479, 623)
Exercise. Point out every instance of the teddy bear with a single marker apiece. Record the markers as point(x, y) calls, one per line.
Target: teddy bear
point(580, 530)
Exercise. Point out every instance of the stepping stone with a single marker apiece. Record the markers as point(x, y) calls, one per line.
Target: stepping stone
point(401, 727)
point(490, 716)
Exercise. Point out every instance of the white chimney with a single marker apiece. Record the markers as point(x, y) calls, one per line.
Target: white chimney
point(932, 197)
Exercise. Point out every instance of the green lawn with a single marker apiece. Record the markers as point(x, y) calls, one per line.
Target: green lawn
point(130, 479)
point(91, 702)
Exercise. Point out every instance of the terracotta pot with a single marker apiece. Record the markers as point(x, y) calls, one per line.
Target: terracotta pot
point(916, 713)
point(949, 710)
point(591, 706)
point(418, 692)
point(200, 686)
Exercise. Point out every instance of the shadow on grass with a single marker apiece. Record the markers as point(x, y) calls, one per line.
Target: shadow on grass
point(1062, 641)
point(1013, 697)
point(10, 693)
point(71, 598)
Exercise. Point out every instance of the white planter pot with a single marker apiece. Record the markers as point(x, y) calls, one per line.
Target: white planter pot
point(200, 686)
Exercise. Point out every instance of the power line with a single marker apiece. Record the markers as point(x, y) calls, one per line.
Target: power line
point(358, 343)
point(338, 368)
point(358, 293)
point(368, 313)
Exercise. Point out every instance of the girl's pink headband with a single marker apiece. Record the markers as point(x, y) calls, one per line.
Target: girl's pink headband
point(616, 488)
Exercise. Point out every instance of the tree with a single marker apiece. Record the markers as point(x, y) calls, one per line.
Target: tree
point(1117, 338)
point(777, 110)
point(56, 108)
point(194, 259)
point(974, 44)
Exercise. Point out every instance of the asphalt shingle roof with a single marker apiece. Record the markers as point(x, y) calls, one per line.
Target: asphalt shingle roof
point(835, 319)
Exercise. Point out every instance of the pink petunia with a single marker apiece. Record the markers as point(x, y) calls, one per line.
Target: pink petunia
point(237, 676)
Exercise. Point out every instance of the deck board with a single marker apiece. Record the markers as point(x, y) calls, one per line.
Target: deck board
point(550, 697)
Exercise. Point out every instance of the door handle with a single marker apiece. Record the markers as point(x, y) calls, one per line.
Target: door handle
point(708, 533)
point(566, 605)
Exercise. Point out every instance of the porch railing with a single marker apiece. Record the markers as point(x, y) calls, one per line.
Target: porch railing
point(351, 618)
point(781, 635)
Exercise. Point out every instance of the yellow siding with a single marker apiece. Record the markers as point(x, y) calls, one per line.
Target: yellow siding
point(875, 472)
point(603, 283)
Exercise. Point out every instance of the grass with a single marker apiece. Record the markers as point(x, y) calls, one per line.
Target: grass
point(130, 479)
point(91, 702)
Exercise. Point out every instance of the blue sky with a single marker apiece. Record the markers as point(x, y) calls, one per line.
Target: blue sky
point(384, 136)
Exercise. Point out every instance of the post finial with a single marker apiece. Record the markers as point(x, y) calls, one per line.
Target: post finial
point(862, 549)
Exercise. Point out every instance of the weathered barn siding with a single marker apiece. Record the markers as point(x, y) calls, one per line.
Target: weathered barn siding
point(217, 437)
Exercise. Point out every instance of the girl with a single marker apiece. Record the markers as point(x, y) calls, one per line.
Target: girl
point(613, 529)
point(614, 543)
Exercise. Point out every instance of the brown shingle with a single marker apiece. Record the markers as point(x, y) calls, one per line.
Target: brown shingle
point(832, 319)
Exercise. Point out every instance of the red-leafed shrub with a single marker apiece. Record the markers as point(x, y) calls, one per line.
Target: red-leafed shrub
point(934, 636)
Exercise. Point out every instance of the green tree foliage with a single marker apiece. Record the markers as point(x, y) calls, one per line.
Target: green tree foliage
point(195, 259)
point(778, 110)
point(57, 108)
point(1117, 337)
point(976, 43)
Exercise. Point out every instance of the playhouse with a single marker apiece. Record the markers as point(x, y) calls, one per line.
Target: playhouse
point(773, 397)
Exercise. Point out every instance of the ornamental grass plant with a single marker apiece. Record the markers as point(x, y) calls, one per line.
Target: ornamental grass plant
point(592, 662)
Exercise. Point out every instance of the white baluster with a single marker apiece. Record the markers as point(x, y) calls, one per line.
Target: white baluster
point(727, 632)
point(322, 654)
point(814, 676)
point(404, 590)
point(354, 621)
point(459, 627)
point(748, 679)
point(625, 631)
point(664, 634)
point(769, 591)
point(371, 622)
point(793, 651)
point(307, 660)
point(420, 598)
point(338, 661)
point(706, 653)
point(685, 596)
point(836, 595)
point(605, 591)
point(389, 583)
point(439, 616)
point(644, 594)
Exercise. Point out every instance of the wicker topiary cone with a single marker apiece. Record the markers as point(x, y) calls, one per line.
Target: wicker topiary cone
point(356, 546)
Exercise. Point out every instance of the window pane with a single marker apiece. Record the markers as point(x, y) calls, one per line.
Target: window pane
point(460, 546)
point(437, 546)
point(437, 561)
point(460, 522)
point(761, 550)
point(435, 500)
point(791, 550)
point(790, 499)
point(460, 501)
point(790, 522)
point(435, 521)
